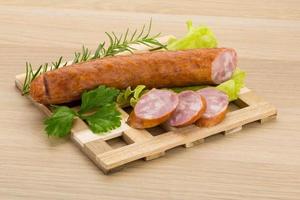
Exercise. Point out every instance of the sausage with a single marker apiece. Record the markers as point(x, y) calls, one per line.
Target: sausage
point(190, 108)
point(157, 69)
point(154, 108)
point(216, 107)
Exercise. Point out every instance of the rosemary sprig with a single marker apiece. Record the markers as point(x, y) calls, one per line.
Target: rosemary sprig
point(117, 44)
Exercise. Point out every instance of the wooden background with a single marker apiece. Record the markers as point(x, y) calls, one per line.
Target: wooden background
point(261, 162)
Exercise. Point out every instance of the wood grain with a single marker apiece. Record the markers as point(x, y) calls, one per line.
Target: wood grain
point(261, 162)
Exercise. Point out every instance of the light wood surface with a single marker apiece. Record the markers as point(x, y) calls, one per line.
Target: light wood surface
point(260, 162)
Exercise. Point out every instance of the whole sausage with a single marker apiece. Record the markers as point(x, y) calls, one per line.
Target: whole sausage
point(216, 107)
point(190, 108)
point(157, 69)
point(154, 108)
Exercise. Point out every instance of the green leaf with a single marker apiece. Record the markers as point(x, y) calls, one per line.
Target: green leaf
point(60, 123)
point(130, 97)
point(97, 98)
point(138, 91)
point(128, 92)
point(233, 86)
point(197, 37)
point(104, 119)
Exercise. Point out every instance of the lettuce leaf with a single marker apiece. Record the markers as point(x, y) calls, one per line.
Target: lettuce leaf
point(233, 86)
point(129, 97)
point(197, 37)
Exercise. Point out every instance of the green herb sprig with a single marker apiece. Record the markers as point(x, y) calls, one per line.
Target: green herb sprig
point(116, 45)
point(98, 109)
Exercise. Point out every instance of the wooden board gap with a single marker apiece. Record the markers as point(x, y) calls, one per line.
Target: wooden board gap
point(155, 131)
point(128, 110)
point(233, 107)
point(239, 103)
point(117, 142)
point(214, 137)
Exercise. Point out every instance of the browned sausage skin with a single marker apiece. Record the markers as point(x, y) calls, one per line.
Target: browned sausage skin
point(38, 91)
point(156, 69)
point(208, 122)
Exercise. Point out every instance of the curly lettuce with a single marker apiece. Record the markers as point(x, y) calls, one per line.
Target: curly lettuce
point(129, 97)
point(197, 37)
point(233, 86)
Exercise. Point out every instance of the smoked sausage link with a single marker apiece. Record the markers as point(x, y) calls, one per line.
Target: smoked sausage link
point(157, 69)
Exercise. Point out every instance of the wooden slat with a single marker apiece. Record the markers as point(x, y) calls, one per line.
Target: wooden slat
point(269, 118)
point(163, 142)
point(135, 151)
point(249, 97)
point(95, 148)
point(132, 135)
point(234, 130)
point(191, 144)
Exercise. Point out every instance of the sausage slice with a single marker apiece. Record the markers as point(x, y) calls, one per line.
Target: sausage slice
point(216, 107)
point(190, 108)
point(154, 108)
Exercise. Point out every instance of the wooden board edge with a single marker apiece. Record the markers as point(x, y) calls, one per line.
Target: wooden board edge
point(166, 141)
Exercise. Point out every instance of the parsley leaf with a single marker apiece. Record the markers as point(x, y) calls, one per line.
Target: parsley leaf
point(98, 109)
point(104, 119)
point(60, 123)
point(98, 97)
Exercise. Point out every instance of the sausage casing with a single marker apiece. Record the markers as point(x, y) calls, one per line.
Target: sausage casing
point(158, 69)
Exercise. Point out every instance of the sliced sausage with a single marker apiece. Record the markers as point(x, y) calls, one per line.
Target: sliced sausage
point(154, 108)
point(223, 66)
point(157, 69)
point(190, 108)
point(216, 107)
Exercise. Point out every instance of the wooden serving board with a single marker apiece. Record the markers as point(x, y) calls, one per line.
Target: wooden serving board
point(143, 144)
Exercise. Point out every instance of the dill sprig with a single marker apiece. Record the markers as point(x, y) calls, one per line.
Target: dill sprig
point(116, 45)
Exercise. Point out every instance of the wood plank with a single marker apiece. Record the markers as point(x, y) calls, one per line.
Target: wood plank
point(132, 135)
point(95, 148)
point(181, 136)
point(234, 130)
point(249, 97)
